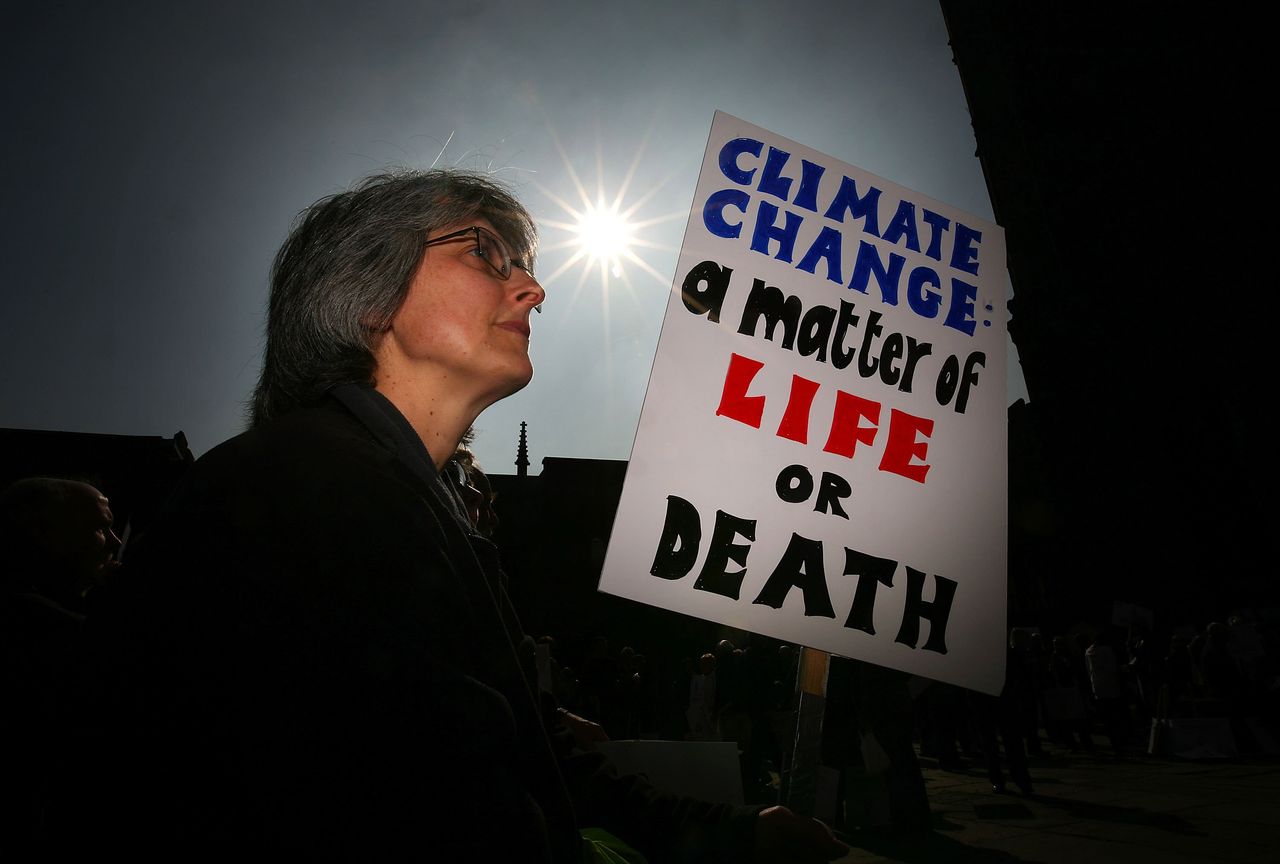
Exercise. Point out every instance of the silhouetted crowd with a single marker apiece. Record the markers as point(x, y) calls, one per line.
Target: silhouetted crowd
point(1063, 691)
point(745, 695)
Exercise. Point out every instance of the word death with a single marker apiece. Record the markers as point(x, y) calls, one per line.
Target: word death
point(801, 567)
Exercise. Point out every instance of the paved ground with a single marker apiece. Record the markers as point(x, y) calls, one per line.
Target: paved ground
point(1093, 808)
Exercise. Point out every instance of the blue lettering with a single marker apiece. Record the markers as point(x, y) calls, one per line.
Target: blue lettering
point(923, 303)
point(729, 154)
point(766, 230)
point(963, 255)
point(903, 224)
point(826, 246)
point(940, 225)
point(960, 315)
point(867, 263)
point(859, 208)
point(807, 196)
point(713, 211)
point(771, 180)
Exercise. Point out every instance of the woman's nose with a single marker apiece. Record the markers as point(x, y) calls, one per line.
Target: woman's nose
point(528, 288)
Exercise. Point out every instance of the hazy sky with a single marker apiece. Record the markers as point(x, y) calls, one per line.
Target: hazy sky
point(156, 153)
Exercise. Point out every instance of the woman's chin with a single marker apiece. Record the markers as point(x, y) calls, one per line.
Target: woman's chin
point(513, 384)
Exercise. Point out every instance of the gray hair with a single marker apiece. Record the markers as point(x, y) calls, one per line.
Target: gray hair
point(345, 269)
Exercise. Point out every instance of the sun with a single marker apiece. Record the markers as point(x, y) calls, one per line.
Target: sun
point(602, 231)
point(605, 235)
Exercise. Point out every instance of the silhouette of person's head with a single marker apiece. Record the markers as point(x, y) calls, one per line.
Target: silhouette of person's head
point(707, 664)
point(59, 538)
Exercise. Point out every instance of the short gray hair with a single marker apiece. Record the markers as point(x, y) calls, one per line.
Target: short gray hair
point(345, 269)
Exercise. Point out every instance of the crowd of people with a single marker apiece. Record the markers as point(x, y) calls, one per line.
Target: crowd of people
point(1082, 690)
point(1094, 689)
point(1114, 684)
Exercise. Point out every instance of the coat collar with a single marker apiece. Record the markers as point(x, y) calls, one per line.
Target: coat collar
point(392, 429)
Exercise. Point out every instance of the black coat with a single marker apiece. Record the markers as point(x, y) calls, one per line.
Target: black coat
point(321, 661)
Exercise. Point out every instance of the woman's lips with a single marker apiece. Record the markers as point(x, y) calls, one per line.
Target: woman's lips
point(516, 327)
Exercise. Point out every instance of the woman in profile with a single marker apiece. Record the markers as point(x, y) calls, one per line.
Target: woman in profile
point(323, 661)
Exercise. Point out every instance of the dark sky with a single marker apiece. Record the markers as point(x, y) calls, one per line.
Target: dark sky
point(156, 153)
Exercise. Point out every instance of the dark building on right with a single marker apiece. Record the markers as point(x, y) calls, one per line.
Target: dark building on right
point(1125, 155)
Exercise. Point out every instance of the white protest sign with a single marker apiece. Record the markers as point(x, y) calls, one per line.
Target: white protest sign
point(821, 456)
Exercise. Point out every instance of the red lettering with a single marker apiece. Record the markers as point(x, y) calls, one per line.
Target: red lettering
point(734, 401)
point(846, 430)
point(795, 420)
point(902, 445)
point(905, 447)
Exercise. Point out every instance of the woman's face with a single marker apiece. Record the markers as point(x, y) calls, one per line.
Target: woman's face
point(462, 328)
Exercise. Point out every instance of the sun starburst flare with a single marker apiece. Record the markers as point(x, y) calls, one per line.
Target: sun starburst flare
point(602, 231)
point(605, 235)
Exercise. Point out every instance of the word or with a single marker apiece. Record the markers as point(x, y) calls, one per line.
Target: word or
point(795, 485)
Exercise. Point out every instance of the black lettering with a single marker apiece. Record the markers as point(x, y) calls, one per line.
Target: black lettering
point(770, 302)
point(706, 300)
point(800, 567)
point(915, 351)
point(833, 488)
point(678, 546)
point(937, 612)
point(815, 332)
point(866, 362)
point(795, 484)
point(871, 572)
point(890, 353)
point(841, 358)
point(715, 576)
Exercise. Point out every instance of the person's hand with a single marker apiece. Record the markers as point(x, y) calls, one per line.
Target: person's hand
point(782, 837)
point(585, 733)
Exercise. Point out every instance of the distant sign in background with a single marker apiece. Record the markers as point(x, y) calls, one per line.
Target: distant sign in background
point(821, 456)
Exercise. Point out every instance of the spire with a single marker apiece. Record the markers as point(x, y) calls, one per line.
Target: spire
point(522, 453)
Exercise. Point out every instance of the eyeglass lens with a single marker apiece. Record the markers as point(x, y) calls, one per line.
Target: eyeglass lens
point(493, 250)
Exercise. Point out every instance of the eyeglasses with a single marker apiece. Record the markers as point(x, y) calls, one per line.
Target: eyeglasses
point(492, 248)
point(489, 246)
